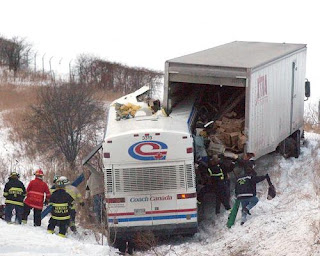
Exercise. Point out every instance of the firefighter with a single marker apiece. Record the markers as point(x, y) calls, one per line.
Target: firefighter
point(35, 198)
point(218, 173)
point(77, 197)
point(14, 192)
point(61, 203)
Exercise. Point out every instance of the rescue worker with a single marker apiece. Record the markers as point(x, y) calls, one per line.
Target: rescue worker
point(218, 173)
point(35, 198)
point(246, 192)
point(14, 192)
point(61, 203)
point(77, 197)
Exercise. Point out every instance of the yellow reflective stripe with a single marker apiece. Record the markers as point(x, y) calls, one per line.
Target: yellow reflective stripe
point(50, 231)
point(62, 235)
point(16, 189)
point(220, 174)
point(5, 193)
point(60, 218)
point(13, 202)
point(59, 205)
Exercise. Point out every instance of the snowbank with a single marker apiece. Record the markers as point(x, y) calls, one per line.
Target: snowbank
point(23, 240)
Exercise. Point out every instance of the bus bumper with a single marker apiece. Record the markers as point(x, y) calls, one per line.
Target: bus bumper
point(157, 230)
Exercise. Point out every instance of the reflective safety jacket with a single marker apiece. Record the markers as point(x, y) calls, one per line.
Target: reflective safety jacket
point(14, 192)
point(75, 194)
point(35, 193)
point(61, 203)
point(216, 173)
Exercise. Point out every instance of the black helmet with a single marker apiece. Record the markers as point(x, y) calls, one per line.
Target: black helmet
point(14, 174)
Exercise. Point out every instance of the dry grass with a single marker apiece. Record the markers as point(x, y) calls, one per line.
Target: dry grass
point(106, 96)
point(17, 97)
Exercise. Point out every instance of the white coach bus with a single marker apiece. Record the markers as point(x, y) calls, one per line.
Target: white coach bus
point(149, 172)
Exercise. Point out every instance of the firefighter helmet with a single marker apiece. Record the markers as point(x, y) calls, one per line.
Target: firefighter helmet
point(14, 174)
point(38, 172)
point(65, 180)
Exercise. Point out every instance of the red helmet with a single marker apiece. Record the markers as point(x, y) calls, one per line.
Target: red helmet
point(38, 172)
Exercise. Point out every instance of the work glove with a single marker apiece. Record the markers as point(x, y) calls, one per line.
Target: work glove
point(82, 204)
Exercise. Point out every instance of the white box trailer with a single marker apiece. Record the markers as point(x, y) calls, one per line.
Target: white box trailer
point(271, 77)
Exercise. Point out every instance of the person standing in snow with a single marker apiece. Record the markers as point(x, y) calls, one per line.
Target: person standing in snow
point(61, 203)
point(77, 197)
point(218, 173)
point(246, 192)
point(14, 192)
point(35, 198)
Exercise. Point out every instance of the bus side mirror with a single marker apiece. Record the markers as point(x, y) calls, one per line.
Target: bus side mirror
point(307, 89)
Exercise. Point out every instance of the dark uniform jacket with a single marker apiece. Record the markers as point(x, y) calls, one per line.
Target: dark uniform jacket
point(61, 203)
point(219, 172)
point(246, 186)
point(14, 192)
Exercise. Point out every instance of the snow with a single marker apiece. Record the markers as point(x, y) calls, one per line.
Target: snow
point(287, 225)
point(23, 240)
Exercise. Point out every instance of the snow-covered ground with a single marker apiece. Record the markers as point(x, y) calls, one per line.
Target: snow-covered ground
point(287, 225)
point(23, 240)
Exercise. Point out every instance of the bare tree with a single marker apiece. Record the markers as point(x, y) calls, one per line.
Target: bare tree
point(14, 53)
point(62, 118)
point(114, 76)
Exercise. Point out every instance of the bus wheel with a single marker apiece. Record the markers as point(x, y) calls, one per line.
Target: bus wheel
point(124, 246)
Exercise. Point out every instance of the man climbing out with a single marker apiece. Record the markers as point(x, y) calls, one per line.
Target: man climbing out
point(35, 198)
point(199, 143)
point(61, 203)
point(14, 192)
point(246, 192)
point(77, 197)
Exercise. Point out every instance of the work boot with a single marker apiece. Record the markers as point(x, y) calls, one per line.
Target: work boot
point(73, 229)
point(245, 209)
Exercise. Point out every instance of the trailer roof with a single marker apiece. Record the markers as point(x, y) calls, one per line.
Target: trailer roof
point(239, 54)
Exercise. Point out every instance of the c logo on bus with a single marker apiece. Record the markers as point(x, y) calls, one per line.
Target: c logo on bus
point(148, 150)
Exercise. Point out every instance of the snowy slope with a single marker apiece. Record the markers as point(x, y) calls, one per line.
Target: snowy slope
point(287, 225)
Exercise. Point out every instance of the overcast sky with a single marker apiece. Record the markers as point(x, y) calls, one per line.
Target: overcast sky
point(146, 33)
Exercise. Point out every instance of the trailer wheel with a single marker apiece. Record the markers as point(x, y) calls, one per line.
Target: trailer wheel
point(298, 141)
